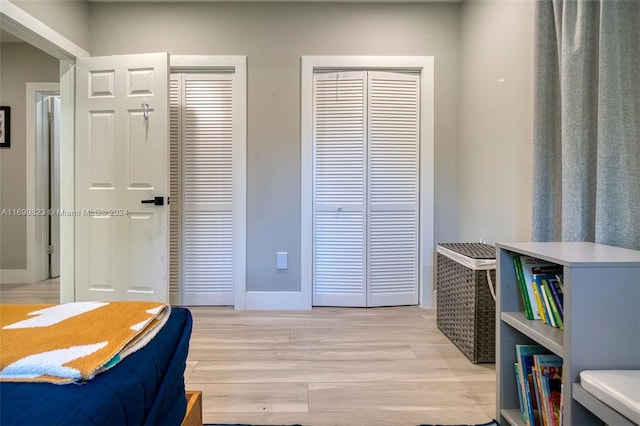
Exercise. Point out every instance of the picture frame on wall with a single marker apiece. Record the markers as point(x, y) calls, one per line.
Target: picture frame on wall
point(5, 127)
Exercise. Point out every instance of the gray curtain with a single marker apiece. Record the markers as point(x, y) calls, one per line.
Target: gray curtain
point(586, 184)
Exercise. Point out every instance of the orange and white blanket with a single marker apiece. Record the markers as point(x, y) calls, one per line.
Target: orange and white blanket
point(73, 342)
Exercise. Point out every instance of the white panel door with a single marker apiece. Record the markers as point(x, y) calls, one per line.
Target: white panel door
point(339, 269)
point(204, 113)
point(366, 174)
point(121, 159)
point(393, 188)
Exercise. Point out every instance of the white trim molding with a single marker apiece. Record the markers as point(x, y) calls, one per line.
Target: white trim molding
point(19, 23)
point(425, 66)
point(14, 276)
point(67, 180)
point(33, 31)
point(275, 300)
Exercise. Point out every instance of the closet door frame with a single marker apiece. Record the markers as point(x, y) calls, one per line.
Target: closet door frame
point(237, 65)
point(424, 65)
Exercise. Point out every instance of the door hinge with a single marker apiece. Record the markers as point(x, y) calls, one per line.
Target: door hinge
point(50, 249)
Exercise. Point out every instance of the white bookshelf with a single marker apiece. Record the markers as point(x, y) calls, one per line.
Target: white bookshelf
point(601, 319)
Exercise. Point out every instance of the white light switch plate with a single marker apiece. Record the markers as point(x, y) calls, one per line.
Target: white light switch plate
point(281, 260)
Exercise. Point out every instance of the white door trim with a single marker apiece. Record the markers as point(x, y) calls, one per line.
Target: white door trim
point(31, 30)
point(19, 23)
point(422, 64)
point(67, 180)
point(238, 66)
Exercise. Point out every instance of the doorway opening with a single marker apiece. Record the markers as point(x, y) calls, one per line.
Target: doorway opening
point(50, 143)
point(43, 180)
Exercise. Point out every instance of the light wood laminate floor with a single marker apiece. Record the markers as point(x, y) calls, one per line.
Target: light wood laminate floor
point(326, 366)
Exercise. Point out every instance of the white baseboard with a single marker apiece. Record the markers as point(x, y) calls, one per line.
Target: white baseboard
point(276, 300)
point(15, 276)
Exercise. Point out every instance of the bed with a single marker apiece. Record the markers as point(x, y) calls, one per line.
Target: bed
point(145, 388)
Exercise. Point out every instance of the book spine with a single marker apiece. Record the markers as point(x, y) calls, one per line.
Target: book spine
point(548, 406)
point(534, 412)
point(543, 310)
point(539, 396)
point(523, 408)
point(560, 283)
point(523, 385)
point(545, 399)
point(547, 304)
point(554, 309)
point(553, 377)
point(536, 293)
point(536, 379)
point(523, 287)
point(556, 293)
point(561, 407)
point(525, 394)
point(549, 400)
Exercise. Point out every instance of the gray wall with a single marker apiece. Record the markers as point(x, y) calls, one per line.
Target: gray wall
point(273, 36)
point(483, 124)
point(496, 121)
point(70, 18)
point(19, 63)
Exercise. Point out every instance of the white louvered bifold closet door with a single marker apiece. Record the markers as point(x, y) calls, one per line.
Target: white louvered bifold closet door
point(393, 188)
point(206, 134)
point(339, 189)
point(365, 188)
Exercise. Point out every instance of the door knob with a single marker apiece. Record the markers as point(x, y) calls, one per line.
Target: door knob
point(156, 201)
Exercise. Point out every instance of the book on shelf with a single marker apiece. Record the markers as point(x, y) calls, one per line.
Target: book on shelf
point(539, 382)
point(548, 372)
point(524, 293)
point(539, 274)
point(543, 275)
point(530, 275)
point(524, 357)
point(533, 267)
point(560, 283)
point(554, 379)
point(558, 295)
point(556, 316)
point(521, 403)
point(538, 416)
point(548, 304)
point(537, 291)
point(561, 397)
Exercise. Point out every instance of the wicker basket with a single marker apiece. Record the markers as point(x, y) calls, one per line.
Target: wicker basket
point(465, 307)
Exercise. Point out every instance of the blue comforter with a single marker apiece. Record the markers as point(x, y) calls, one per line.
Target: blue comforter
point(146, 388)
